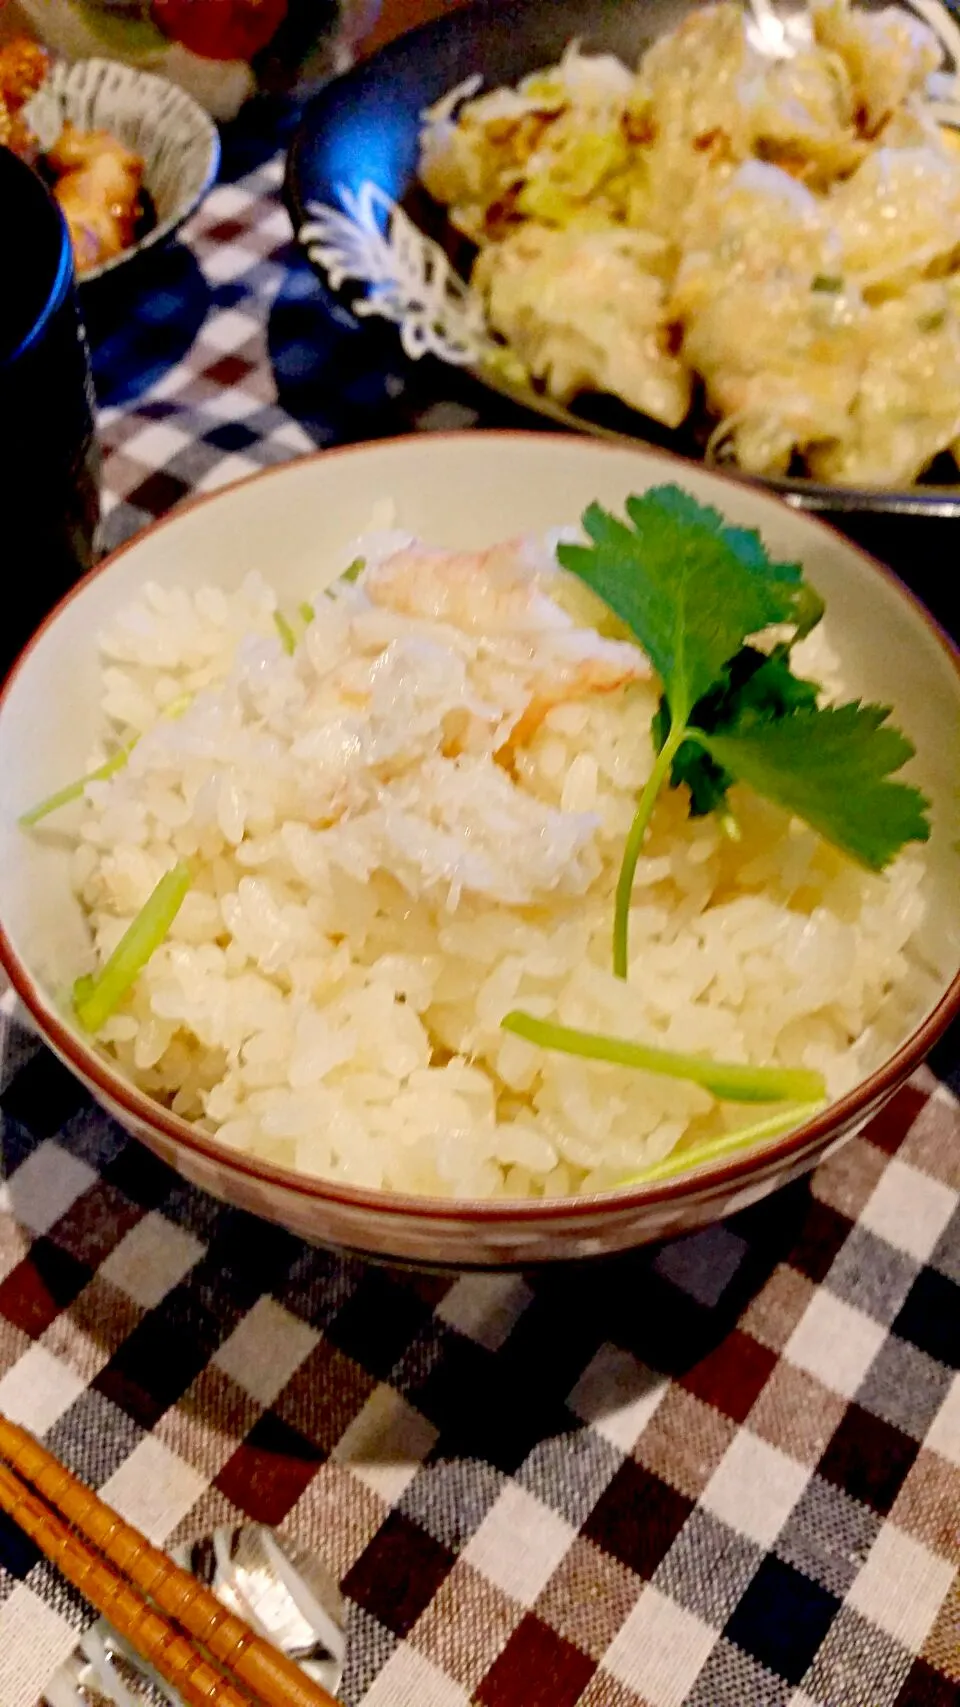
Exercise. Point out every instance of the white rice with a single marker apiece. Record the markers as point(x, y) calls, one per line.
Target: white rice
point(367, 903)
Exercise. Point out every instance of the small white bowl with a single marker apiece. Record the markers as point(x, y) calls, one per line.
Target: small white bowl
point(177, 141)
point(294, 524)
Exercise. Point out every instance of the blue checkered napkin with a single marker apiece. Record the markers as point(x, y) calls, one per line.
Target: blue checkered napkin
point(188, 394)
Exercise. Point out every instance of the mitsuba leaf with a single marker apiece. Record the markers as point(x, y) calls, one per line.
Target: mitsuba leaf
point(832, 767)
point(754, 688)
point(690, 588)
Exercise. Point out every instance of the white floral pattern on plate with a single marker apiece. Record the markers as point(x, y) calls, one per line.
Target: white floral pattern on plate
point(409, 278)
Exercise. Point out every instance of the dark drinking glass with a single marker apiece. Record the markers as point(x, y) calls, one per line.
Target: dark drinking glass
point(49, 503)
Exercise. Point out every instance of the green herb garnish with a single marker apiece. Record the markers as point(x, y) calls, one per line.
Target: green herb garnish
point(727, 1144)
point(830, 283)
point(693, 593)
point(95, 997)
point(109, 768)
point(832, 767)
point(351, 573)
point(754, 688)
point(728, 1081)
point(306, 611)
point(288, 639)
point(74, 790)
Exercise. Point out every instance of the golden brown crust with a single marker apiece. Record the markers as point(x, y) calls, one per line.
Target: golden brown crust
point(23, 67)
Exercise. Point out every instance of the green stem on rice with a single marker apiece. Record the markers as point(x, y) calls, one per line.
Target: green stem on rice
point(728, 1081)
point(96, 997)
point(306, 611)
point(350, 573)
point(177, 707)
point(634, 843)
point(718, 1149)
point(288, 639)
point(74, 790)
point(110, 767)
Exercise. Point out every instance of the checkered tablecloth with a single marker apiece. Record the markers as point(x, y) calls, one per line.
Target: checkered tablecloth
point(724, 1473)
point(221, 358)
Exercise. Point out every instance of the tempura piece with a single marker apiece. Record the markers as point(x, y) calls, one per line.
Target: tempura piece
point(888, 54)
point(898, 215)
point(763, 224)
point(801, 117)
point(781, 358)
point(739, 211)
point(584, 311)
point(688, 87)
point(686, 116)
point(780, 373)
point(907, 408)
point(557, 136)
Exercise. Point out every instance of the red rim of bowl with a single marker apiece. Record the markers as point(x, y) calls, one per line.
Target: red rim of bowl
point(707, 1180)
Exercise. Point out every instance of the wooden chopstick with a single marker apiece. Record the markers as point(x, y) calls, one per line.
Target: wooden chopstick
point(196, 1679)
point(134, 1585)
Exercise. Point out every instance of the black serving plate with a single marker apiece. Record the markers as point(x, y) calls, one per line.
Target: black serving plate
point(365, 127)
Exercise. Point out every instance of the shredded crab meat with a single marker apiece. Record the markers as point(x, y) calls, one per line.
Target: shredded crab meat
point(498, 593)
point(481, 592)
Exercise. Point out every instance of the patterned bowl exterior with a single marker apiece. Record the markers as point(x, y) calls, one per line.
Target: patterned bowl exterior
point(176, 139)
point(452, 1235)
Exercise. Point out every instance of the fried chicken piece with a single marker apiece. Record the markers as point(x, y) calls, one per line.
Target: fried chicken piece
point(23, 66)
point(99, 193)
point(98, 179)
point(16, 134)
